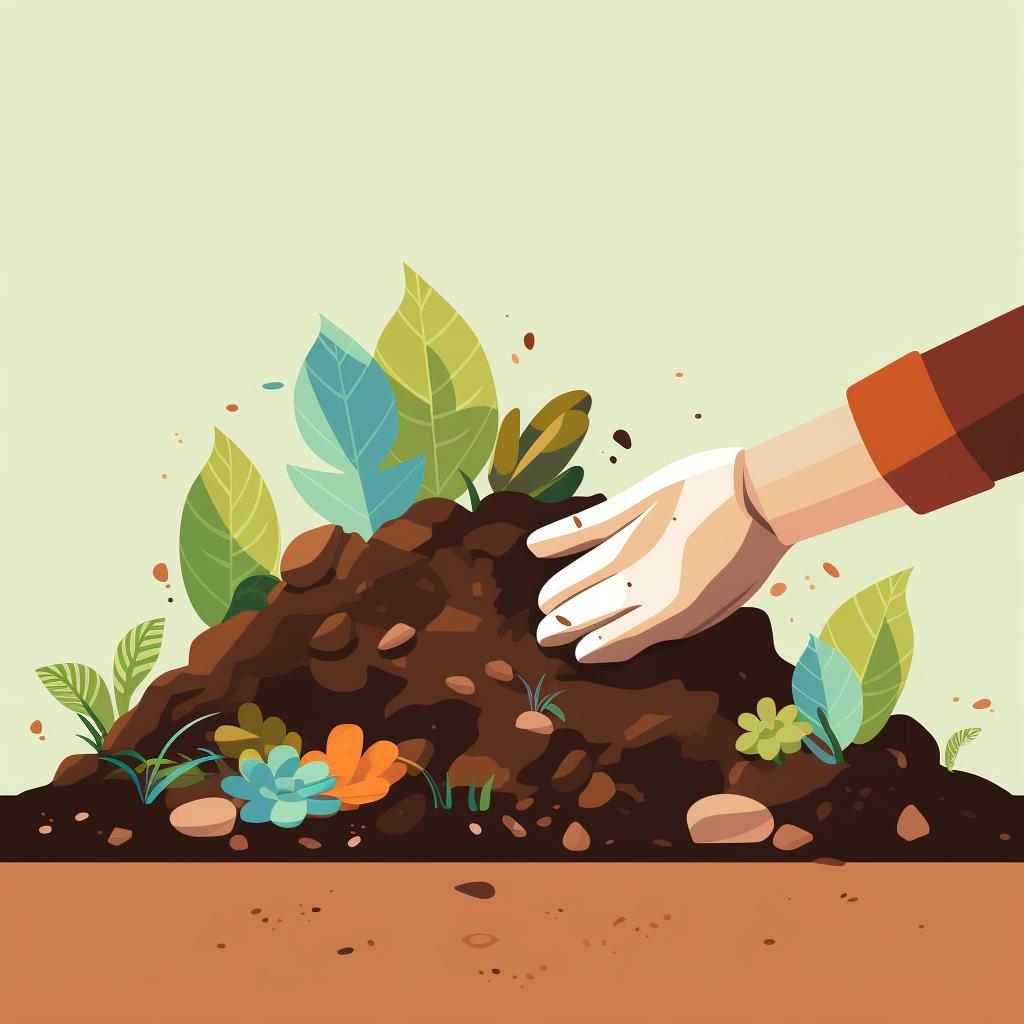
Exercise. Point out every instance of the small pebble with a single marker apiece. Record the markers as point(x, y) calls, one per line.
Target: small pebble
point(45, 830)
point(355, 841)
point(345, 950)
point(475, 828)
point(309, 844)
point(82, 816)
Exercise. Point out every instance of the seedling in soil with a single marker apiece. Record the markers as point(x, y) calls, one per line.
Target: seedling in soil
point(771, 734)
point(155, 776)
point(956, 741)
point(445, 801)
point(536, 720)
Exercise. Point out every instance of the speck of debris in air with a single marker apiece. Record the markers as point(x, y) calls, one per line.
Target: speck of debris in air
point(222, 945)
point(273, 385)
point(697, 415)
point(769, 942)
point(345, 950)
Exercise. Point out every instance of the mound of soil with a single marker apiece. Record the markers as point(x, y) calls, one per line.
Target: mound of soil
point(641, 743)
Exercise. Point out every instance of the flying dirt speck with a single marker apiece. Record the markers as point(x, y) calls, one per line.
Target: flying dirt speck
point(160, 573)
point(621, 437)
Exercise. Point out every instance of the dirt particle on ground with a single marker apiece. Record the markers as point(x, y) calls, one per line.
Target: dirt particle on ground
point(475, 828)
point(354, 841)
point(618, 921)
point(45, 830)
point(222, 945)
point(36, 727)
point(160, 573)
point(345, 950)
point(119, 836)
point(82, 816)
point(769, 942)
point(831, 862)
point(310, 844)
point(478, 890)
point(777, 589)
point(479, 940)
point(238, 843)
point(529, 341)
point(513, 826)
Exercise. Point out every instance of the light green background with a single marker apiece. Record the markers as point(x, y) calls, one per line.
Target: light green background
point(773, 198)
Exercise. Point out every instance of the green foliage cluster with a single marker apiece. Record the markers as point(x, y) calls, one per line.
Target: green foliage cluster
point(543, 704)
point(771, 733)
point(81, 689)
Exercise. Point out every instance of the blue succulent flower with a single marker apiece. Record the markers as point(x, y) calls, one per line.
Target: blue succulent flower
point(281, 789)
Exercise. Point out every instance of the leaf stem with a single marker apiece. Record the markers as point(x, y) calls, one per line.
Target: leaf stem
point(780, 758)
point(837, 750)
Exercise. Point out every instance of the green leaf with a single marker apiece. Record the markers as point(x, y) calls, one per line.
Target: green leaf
point(474, 494)
point(824, 681)
point(447, 406)
point(346, 412)
point(134, 658)
point(229, 530)
point(956, 741)
point(562, 487)
point(485, 794)
point(251, 595)
point(506, 452)
point(873, 631)
point(554, 709)
point(79, 688)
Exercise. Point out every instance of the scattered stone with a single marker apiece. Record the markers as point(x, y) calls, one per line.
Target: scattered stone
point(513, 826)
point(311, 556)
point(119, 836)
point(912, 824)
point(45, 830)
point(500, 670)
point(475, 828)
point(309, 843)
point(461, 684)
point(535, 721)
point(598, 791)
point(334, 635)
point(398, 635)
point(207, 817)
point(729, 818)
point(478, 890)
point(403, 816)
point(355, 841)
point(544, 822)
point(572, 772)
point(791, 837)
point(576, 838)
point(901, 758)
point(823, 810)
point(525, 804)
point(238, 843)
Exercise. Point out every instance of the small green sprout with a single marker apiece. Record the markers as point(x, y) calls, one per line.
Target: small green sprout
point(444, 801)
point(771, 733)
point(543, 704)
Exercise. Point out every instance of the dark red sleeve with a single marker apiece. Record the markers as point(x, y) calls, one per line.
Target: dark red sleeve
point(946, 424)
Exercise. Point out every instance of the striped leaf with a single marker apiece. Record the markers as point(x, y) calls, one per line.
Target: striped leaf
point(346, 412)
point(229, 530)
point(134, 659)
point(824, 681)
point(447, 405)
point(956, 741)
point(79, 688)
point(873, 631)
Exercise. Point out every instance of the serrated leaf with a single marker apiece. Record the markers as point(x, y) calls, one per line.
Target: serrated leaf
point(956, 741)
point(251, 595)
point(824, 680)
point(874, 633)
point(346, 412)
point(134, 658)
point(229, 530)
point(447, 405)
point(79, 688)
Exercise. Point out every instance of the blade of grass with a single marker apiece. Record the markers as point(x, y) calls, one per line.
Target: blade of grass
point(485, 795)
point(97, 738)
point(471, 797)
point(529, 691)
point(181, 731)
point(549, 698)
point(176, 774)
point(128, 771)
point(535, 699)
point(554, 709)
point(474, 495)
point(447, 792)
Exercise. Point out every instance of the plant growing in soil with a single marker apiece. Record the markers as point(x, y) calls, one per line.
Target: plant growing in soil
point(960, 738)
point(360, 777)
point(82, 689)
point(536, 720)
point(446, 801)
point(281, 789)
point(254, 732)
point(156, 776)
point(771, 733)
point(829, 698)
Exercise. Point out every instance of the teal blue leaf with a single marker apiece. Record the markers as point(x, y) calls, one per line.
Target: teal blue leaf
point(251, 595)
point(346, 412)
point(824, 680)
point(554, 709)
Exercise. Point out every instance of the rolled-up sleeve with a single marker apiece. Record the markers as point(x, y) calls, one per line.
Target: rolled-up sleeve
point(946, 424)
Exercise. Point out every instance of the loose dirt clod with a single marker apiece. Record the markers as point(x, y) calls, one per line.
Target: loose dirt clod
point(912, 824)
point(478, 890)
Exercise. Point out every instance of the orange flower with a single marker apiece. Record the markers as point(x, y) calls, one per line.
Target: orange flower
point(362, 777)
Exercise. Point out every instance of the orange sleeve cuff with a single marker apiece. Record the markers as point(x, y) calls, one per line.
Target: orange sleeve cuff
point(911, 439)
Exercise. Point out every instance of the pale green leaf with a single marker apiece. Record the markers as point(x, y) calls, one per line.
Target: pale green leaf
point(873, 631)
point(956, 741)
point(229, 530)
point(79, 688)
point(447, 405)
point(134, 658)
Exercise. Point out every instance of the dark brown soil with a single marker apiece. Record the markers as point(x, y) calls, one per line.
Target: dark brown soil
point(662, 726)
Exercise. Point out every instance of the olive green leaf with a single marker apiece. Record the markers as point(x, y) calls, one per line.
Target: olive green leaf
point(535, 462)
point(229, 530)
point(873, 631)
point(134, 658)
point(956, 741)
point(79, 688)
point(447, 405)
point(253, 732)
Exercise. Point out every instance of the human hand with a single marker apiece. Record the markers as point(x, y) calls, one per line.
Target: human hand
point(666, 558)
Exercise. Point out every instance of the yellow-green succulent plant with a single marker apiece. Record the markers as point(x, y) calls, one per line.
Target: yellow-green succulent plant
point(771, 733)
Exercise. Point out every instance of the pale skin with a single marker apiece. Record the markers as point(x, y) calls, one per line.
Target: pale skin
point(683, 548)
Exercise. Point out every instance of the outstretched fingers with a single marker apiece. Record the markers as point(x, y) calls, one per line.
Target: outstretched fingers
point(589, 527)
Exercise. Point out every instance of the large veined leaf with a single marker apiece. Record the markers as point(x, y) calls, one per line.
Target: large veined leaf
point(874, 633)
point(824, 682)
point(956, 741)
point(79, 688)
point(535, 461)
point(229, 530)
point(346, 412)
point(134, 658)
point(447, 406)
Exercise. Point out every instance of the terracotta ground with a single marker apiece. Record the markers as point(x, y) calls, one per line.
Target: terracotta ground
point(186, 942)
